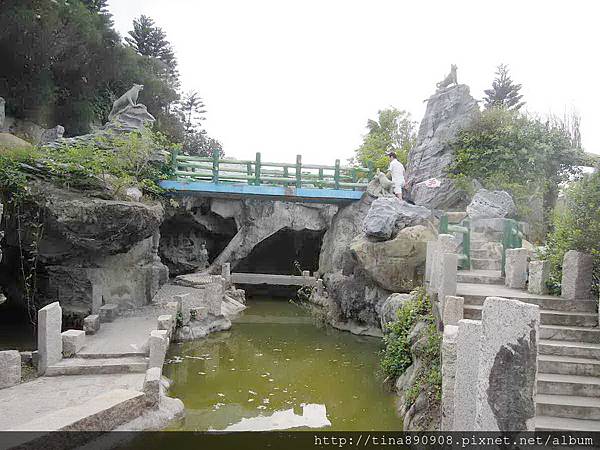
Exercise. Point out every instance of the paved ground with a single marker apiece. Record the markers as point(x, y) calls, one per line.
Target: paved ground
point(29, 401)
point(124, 335)
point(496, 290)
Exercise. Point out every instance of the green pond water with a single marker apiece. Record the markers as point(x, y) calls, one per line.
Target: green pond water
point(276, 370)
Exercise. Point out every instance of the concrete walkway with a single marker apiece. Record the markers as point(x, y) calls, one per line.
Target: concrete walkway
point(29, 401)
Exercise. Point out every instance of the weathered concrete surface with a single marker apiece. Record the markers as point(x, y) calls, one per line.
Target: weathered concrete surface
point(577, 275)
point(448, 375)
point(515, 268)
point(447, 283)
point(91, 324)
point(453, 309)
point(468, 345)
point(539, 274)
point(448, 111)
point(507, 366)
point(37, 398)
point(125, 336)
point(151, 386)
point(10, 368)
point(72, 342)
point(49, 336)
point(101, 413)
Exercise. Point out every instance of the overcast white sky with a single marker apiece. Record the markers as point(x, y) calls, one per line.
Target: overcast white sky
point(285, 77)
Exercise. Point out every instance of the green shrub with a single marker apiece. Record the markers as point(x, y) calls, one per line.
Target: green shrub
point(523, 155)
point(576, 226)
point(397, 356)
point(121, 161)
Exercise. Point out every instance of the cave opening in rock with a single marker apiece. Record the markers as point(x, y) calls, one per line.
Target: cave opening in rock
point(184, 233)
point(287, 252)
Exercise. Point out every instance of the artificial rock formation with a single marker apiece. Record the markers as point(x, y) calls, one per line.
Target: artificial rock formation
point(491, 204)
point(89, 247)
point(257, 220)
point(448, 111)
point(361, 271)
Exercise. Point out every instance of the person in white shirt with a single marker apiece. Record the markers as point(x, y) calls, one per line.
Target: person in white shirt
point(397, 170)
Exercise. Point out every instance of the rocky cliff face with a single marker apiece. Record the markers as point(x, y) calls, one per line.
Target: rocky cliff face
point(361, 271)
point(448, 111)
point(84, 247)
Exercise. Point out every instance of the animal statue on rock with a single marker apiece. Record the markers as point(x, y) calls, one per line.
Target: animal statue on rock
point(381, 185)
point(129, 98)
point(449, 80)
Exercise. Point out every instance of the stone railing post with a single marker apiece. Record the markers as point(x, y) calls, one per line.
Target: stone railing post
point(515, 268)
point(448, 375)
point(577, 276)
point(467, 368)
point(506, 382)
point(49, 336)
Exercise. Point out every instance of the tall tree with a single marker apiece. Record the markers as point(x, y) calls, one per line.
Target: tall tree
point(392, 131)
point(192, 108)
point(504, 93)
point(149, 40)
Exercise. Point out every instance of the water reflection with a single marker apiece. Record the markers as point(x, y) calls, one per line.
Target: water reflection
point(313, 416)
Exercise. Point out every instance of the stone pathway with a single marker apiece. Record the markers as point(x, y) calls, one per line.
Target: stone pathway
point(30, 401)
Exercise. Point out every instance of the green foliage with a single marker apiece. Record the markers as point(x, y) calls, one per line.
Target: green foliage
point(393, 131)
point(504, 93)
point(505, 149)
point(576, 227)
point(397, 355)
point(63, 63)
point(120, 162)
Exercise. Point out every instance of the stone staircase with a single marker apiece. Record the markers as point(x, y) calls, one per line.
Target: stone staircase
point(568, 386)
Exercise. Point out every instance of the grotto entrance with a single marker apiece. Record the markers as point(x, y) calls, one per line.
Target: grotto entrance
point(287, 252)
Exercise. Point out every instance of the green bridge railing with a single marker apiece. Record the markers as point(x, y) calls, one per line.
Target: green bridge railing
point(257, 172)
point(512, 238)
point(464, 260)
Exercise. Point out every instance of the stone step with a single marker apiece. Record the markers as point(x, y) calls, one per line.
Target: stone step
point(560, 384)
point(480, 277)
point(96, 366)
point(87, 355)
point(564, 333)
point(485, 264)
point(490, 236)
point(477, 244)
point(569, 406)
point(547, 423)
point(483, 253)
point(475, 294)
point(548, 317)
point(568, 365)
point(569, 348)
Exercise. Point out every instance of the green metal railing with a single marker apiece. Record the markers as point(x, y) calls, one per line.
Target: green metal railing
point(464, 260)
point(512, 238)
point(257, 172)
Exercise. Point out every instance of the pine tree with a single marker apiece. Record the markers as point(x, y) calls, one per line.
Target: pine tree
point(504, 93)
point(192, 108)
point(149, 40)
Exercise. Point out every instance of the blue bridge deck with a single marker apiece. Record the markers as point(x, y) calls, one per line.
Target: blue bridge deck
point(239, 190)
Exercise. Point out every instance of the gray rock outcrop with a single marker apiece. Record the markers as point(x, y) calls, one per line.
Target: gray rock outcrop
point(390, 307)
point(388, 215)
point(257, 220)
point(448, 111)
point(491, 204)
point(396, 265)
point(87, 245)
